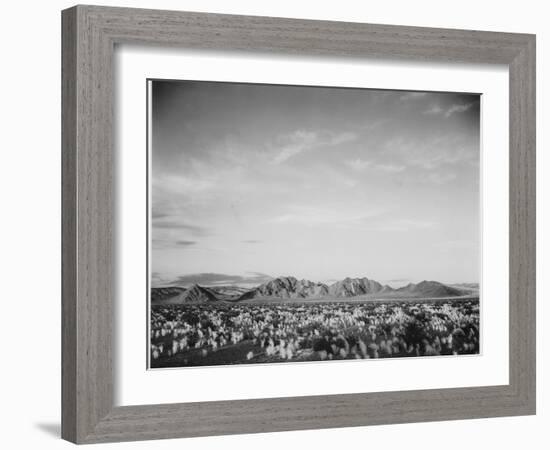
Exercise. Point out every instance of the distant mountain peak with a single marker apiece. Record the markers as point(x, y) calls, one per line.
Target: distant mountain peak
point(352, 287)
point(199, 294)
point(430, 289)
point(180, 296)
point(288, 287)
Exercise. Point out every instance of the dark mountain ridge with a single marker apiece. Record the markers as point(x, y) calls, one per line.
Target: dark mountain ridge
point(160, 294)
point(430, 289)
point(287, 287)
point(351, 287)
point(194, 294)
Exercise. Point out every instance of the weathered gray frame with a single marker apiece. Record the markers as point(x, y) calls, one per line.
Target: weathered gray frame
point(89, 36)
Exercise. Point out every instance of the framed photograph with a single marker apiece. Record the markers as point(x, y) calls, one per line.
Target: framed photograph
point(277, 224)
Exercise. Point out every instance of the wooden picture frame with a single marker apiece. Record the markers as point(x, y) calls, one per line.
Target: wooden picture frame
point(89, 37)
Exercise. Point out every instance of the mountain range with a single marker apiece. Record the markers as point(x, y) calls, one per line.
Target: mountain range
point(288, 288)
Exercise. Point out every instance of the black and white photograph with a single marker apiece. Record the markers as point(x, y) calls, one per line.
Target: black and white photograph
point(275, 225)
point(306, 223)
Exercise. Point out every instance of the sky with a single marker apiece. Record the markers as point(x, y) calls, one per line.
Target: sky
point(254, 181)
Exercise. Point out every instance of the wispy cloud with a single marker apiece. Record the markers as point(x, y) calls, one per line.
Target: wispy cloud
point(358, 164)
point(185, 182)
point(297, 142)
point(175, 224)
point(158, 280)
point(434, 110)
point(385, 221)
point(448, 112)
point(458, 108)
point(220, 279)
point(374, 220)
point(412, 95)
point(160, 243)
point(300, 141)
point(432, 153)
point(184, 243)
point(436, 157)
point(158, 215)
point(304, 215)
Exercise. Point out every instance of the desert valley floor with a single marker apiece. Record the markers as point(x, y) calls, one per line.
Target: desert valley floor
point(288, 320)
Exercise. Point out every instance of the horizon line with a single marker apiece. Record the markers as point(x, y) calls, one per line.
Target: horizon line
point(328, 282)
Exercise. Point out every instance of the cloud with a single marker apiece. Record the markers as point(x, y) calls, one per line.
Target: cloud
point(341, 138)
point(412, 95)
point(448, 112)
point(157, 280)
point(432, 153)
point(458, 109)
point(434, 110)
point(196, 230)
point(220, 279)
point(251, 241)
point(358, 164)
point(384, 221)
point(159, 243)
point(435, 158)
point(200, 181)
point(158, 215)
point(299, 141)
point(296, 142)
point(184, 243)
point(308, 216)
